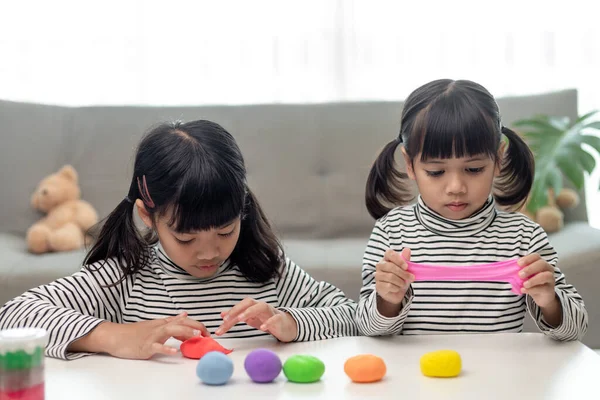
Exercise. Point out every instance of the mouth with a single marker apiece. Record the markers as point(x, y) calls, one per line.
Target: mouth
point(456, 206)
point(206, 267)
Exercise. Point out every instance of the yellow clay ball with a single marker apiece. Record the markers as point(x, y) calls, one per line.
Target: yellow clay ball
point(441, 364)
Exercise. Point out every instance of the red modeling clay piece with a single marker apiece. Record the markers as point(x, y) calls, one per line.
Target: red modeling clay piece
point(198, 346)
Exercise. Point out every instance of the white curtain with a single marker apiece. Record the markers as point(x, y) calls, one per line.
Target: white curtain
point(236, 52)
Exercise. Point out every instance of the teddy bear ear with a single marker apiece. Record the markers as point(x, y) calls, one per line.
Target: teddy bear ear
point(68, 172)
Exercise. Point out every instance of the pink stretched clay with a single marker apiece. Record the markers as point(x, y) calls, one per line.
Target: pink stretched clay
point(503, 271)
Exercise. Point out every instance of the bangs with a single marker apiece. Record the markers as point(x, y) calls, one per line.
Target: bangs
point(454, 127)
point(205, 201)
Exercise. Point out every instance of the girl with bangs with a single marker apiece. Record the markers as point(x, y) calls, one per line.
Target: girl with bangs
point(465, 164)
point(209, 263)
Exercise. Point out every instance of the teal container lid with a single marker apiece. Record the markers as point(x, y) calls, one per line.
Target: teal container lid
point(22, 348)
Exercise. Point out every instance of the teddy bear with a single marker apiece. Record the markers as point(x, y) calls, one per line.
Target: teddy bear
point(550, 217)
point(67, 219)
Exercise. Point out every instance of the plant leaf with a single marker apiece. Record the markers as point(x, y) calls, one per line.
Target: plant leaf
point(557, 147)
point(554, 179)
point(538, 197)
point(586, 160)
point(540, 124)
point(585, 116)
point(571, 169)
point(560, 123)
point(593, 125)
point(592, 141)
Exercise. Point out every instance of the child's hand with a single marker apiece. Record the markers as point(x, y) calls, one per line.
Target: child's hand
point(392, 279)
point(540, 280)
point(141, 340)
point(260, 315)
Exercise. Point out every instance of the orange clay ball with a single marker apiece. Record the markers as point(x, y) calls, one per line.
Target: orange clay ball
point(365, 368)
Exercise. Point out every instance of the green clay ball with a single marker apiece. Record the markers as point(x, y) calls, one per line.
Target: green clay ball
point(303, 369)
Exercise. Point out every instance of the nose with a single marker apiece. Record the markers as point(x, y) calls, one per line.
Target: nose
point(456, 184)
point(208, 251)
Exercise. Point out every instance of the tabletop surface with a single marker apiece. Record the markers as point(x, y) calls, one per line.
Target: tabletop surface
point(502, 366)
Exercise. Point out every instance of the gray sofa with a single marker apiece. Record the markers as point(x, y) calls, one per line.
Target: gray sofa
point(307, 163)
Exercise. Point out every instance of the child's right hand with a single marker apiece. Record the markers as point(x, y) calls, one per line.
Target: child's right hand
point(140, 340)
point(392, 279)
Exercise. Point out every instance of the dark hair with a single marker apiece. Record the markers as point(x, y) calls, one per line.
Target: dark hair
point(196, 172)
point(445, 119)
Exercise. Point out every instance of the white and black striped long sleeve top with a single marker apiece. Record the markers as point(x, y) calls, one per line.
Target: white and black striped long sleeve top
point(71, 307)
point(455, 307)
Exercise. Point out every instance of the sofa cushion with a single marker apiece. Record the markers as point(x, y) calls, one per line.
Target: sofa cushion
point(21, 271)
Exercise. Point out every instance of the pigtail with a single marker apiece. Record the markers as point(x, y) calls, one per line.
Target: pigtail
point(258, 253)
point(119, 239)
point(385, 184)
point(516, 175)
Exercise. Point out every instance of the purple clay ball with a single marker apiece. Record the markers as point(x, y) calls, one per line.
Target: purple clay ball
point(262, 365)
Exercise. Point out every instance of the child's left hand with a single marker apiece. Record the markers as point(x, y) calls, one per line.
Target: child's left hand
point(260, 315)
point(541, 286)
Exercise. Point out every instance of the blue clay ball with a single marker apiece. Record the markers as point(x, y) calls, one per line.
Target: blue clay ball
point(262, 365)
point(215, 368)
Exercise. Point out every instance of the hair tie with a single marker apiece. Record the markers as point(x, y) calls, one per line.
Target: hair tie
point(143, 188)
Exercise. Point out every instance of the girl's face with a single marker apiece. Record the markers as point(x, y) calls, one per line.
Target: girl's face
point(198, 253)
point(455, 188)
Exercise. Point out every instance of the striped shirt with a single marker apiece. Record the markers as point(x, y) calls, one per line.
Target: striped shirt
point(70, 308)
point(437, 307)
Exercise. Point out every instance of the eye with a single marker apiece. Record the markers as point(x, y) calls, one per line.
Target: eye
point(224, 235)
point(184, 241)
point(475, 170)
point(434, 174)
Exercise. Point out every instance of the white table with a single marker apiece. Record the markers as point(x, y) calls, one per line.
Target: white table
point(500, 366)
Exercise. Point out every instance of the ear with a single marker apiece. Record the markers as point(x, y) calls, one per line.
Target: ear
point(499, 158)
point(143, 213)
point(69, 172)
point(409, 166)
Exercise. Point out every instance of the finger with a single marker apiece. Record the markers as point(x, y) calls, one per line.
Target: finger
point(175, 317)
point(536, 290)
point(384, 288)
point(250, 312)
point(255, 311)
point(389, 255)
point(535, 268)
point(196, 325)
point(394, 257)
point(384, 277)
point(181, 332)
point(158, 348)
point(231, 319)
point(543, 278)
point(273, 324)
point(389, 268)
point(239, 308)
point(528, 259)
point(405, 254)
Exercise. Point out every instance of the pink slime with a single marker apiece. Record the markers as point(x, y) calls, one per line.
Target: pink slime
point(503, 271)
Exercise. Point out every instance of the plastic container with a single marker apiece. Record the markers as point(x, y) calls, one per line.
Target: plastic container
point(22, 363)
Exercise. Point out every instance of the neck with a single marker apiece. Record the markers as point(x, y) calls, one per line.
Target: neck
point(471, 225)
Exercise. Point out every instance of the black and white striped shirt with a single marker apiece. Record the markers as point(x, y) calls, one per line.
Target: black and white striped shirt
point(70, 308)
point(455, 307)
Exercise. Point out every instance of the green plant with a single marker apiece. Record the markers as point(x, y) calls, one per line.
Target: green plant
point(557, 146)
